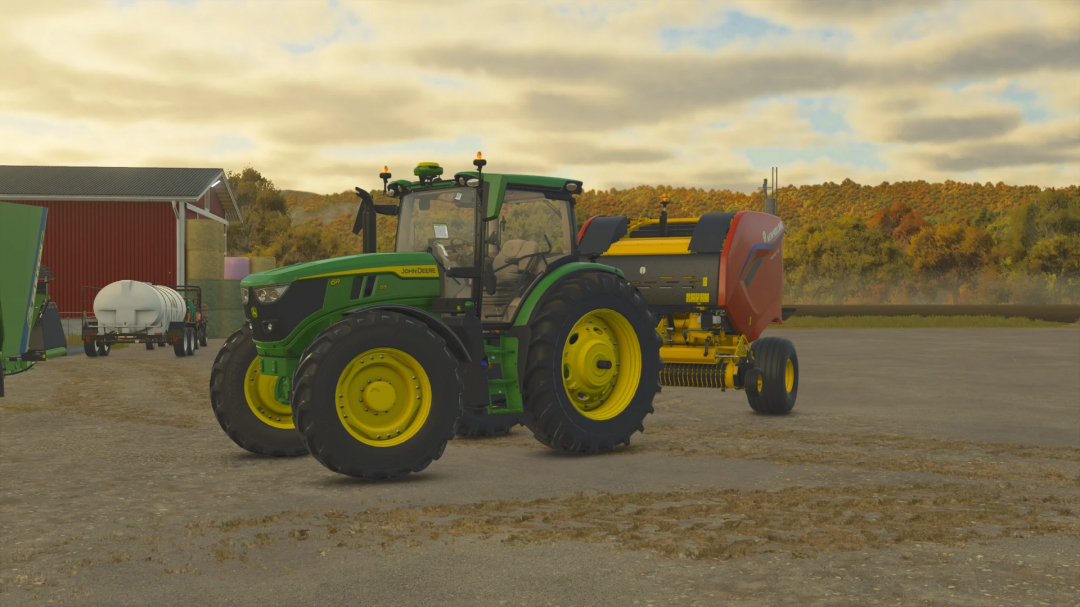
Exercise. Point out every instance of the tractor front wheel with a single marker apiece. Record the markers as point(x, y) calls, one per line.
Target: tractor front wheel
point(377, 396)
point(244, 402)
point(593, 364)
point(778, 382)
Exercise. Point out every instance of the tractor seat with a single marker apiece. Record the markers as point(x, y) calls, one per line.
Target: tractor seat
point(511, 249)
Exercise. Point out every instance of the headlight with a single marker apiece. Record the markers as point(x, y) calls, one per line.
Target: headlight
point(270, 294)
point(244, 294)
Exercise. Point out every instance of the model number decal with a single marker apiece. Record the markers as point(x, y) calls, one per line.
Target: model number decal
point(697, 298)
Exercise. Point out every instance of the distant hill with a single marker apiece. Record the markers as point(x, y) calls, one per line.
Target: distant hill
point(797, 205)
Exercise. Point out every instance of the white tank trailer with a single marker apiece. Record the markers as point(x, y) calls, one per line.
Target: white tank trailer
point(130, 311)
point(129, 306)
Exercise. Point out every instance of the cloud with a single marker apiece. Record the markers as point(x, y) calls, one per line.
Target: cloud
point(611, 93)
point(1060, 149)
point(955, 128)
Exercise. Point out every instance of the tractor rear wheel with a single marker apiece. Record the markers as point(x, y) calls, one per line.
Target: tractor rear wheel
point(779, 379)
point(244, 402)
point(377, 396)
point(593, 364)
point(487, 424)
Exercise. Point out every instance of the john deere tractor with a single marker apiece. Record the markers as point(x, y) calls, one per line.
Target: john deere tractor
point(486, 311)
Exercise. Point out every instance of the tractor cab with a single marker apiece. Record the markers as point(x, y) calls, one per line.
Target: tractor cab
point(532, 230)
point(491, 236)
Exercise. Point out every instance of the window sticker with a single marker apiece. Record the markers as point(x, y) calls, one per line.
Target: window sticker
point(441, 230)
point(457, 196)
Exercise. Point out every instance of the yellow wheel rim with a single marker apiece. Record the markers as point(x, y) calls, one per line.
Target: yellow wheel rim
point(259, 393)
point(383, 397)
point(601, 364)
point(789, 376)
point(760, 383)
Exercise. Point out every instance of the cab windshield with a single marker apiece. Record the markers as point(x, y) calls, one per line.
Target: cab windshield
point(441, 222)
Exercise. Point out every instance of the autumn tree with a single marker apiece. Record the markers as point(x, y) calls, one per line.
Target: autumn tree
point(305, 242)
point(899, 221)
point(950, 255)
point(840, 259)
point(263, 210)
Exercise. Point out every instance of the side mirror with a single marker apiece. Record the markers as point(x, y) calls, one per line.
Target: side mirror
point(365, 199)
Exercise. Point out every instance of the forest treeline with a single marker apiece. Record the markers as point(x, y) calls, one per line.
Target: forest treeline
point(903, 242)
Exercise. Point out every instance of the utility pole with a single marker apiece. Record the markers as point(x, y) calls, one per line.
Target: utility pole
point(770, 201)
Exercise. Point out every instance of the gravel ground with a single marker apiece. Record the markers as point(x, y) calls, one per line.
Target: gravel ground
point(920, 467)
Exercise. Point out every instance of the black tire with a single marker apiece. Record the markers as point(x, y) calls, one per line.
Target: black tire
point(90, 348)
point(180, 346)
point(485, 424)
point(161, 344)
point(554, 420)
point(231, 409)
point(189, 341)
point(150, 345)
point(771, 356)
point(202, 335)
point(103, 349)
point(327, 357)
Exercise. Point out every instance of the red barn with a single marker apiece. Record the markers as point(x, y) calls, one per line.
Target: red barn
point(113, 223)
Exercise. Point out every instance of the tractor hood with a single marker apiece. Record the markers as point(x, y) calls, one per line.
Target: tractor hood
point(411, 265)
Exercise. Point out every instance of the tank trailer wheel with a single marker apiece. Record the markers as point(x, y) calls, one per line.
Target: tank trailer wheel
point(377, 396)
point(202, 335)
point(487, 424)
point(593, 364)
point(150, 346)
point(779, 379)
point(180, 345)
point(161, 344)
point(90, 348)
point(244, 403)
point(103, 349)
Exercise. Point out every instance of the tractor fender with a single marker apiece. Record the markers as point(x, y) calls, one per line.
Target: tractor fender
point(439, 327)
point(536, 293)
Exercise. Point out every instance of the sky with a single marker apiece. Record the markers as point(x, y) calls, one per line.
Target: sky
point(319, 95)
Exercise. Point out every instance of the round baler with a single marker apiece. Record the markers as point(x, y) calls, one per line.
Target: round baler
point(716, 283)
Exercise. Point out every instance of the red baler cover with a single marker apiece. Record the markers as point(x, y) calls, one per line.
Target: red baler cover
point(752, 272)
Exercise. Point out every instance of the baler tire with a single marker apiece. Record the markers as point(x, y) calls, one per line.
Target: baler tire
point(771, 356)
point(90, 348)
point(329, 360)
point(487, 424)
point(549, 413)
point(230, 404)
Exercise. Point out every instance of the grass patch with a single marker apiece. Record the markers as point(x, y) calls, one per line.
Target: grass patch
point(917, 322)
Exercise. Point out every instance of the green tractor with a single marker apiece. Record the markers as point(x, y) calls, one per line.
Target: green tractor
point(483, 315)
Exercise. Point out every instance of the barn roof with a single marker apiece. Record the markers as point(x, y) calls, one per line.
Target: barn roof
point(117, 183)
